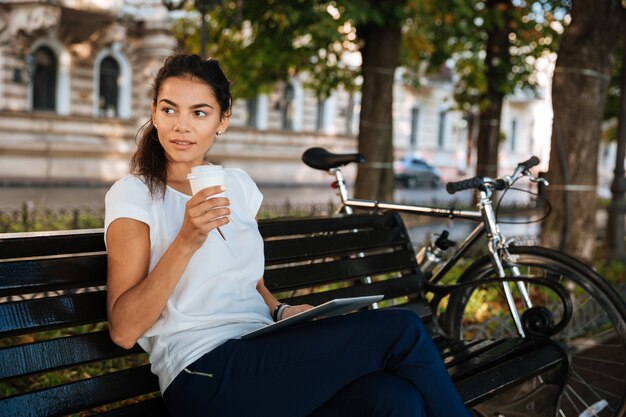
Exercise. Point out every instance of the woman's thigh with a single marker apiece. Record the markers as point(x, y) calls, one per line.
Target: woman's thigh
point(292, 372)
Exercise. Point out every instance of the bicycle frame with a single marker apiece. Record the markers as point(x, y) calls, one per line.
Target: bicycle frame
point(486, 218)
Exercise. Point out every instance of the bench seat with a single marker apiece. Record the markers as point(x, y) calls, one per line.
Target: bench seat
point(56, 357)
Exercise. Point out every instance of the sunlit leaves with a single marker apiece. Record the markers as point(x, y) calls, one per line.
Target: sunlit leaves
point(264, 41)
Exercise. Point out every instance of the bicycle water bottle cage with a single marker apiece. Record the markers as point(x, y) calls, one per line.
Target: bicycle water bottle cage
point(443, 242)
point(320, 158)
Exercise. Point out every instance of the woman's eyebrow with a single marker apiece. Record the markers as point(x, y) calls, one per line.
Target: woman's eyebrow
point(170, 102)
point(195, 106)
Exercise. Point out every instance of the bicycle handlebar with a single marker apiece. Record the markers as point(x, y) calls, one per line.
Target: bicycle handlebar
point(531, 162)
point(482, 183)
point(456, 186)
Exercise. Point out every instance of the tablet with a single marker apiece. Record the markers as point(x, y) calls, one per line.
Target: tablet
point(331, 308)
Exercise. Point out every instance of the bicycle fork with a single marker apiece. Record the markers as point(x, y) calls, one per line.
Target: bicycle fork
point(498, 249)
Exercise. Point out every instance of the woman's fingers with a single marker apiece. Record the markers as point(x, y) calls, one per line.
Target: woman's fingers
point(293, 310)
point(206, 212)
point(212, 219)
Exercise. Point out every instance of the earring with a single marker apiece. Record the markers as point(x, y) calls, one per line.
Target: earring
point(219, 132)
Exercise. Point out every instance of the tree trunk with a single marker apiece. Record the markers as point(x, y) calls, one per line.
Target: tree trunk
point(617, 209)
point(581, 78)
point(497, 65)
point(380, 54)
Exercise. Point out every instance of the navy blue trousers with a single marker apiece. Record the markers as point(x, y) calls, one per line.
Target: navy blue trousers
point(372, 363)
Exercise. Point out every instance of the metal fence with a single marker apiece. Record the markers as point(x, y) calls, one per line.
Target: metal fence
point(31, 219)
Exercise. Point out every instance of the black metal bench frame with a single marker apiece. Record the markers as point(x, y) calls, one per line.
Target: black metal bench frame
point(53, 317)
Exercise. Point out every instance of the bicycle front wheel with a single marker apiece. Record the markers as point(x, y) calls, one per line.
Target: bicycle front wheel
point(595, 337)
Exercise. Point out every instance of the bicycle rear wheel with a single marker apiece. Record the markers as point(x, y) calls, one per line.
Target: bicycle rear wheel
point(595, 337)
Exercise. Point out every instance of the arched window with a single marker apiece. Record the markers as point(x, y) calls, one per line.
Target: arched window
point(44, 79)
point(108, 91)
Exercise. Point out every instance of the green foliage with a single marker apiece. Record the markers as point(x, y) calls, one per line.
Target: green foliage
point(459, 30)
point(266, 41)
point(29, 219)
point(613, 271)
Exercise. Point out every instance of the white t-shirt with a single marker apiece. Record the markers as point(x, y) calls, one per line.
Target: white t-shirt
point(216, 297)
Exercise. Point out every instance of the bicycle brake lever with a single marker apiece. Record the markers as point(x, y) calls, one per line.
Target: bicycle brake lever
point(541, 180)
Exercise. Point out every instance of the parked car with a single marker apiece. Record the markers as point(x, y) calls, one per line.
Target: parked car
point(414, 172)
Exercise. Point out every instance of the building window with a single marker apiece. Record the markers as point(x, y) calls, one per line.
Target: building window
point(513, 141)
point(441, 134)
point(289, 95)
point(251, 105)
point(44, 79)
point(415, 115)
point(108, 92)
point(321, 110)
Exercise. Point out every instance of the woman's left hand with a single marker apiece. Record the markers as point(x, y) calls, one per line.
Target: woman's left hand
point(293, 310)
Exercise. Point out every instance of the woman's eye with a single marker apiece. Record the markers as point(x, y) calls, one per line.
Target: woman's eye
point(167, 110)
point(200, 113)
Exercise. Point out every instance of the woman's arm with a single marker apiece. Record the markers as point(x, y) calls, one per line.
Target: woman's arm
point(272, 302)
point(135, 298)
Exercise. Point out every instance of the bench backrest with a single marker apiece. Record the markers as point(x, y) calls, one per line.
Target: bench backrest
point(56, 356)
point(317, 259)
point(56, 351)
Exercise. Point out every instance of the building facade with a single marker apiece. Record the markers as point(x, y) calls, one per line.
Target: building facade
point(75, 87)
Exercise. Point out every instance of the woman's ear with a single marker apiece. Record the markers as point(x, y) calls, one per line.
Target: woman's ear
point(223, 125)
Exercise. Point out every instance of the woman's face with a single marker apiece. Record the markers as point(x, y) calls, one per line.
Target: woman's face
point(187, 117)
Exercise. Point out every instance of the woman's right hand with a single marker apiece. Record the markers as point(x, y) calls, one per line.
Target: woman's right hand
point(203, 214)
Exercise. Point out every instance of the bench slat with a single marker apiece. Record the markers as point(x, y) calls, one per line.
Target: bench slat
point(315, 225)
point(482, 385)
point(302, 248)
point(313, 274)
point(81, 395)
point(24, 245)
point(26, 277)
point(392, 288)
point(461, 352)
point(49, 313)
point(499, 352)
point(154, 407)
point(59, 353)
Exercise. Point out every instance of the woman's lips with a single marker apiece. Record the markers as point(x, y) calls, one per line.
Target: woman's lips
point(181, 143)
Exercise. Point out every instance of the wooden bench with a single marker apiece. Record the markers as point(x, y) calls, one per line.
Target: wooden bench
point(56, 357)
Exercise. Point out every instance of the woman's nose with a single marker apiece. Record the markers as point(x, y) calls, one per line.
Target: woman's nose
point(181, 123)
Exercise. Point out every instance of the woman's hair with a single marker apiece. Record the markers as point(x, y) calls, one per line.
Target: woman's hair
point(149, 160)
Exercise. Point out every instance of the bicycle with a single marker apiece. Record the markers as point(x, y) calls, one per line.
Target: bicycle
point(592, 328)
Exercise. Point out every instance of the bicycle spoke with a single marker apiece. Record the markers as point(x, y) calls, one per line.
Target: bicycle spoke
point(571, 402)
point(598, 360)
point(593, 372)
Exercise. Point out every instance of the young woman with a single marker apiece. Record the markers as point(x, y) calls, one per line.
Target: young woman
point(186, 295)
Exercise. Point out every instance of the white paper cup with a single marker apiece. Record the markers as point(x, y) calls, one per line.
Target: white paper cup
point(204, 176)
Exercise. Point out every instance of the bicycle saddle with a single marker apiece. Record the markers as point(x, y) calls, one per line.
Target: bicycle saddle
point(320, 158)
